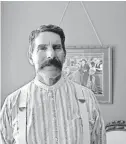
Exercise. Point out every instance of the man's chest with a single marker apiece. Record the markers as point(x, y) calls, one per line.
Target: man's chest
point(53, 118)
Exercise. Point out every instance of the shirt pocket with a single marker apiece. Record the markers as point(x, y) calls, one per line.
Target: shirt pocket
point(76, 123)
point(76, 130)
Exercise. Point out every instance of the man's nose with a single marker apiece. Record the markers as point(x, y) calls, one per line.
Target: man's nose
point(50, 53)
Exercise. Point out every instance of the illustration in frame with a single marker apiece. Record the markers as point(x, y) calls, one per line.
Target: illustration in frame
point(91, 67)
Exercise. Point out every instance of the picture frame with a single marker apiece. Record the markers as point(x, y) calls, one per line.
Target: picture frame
point(91, 66)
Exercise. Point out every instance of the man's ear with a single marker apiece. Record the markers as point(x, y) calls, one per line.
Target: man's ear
point(64, 58)
point(29, 55)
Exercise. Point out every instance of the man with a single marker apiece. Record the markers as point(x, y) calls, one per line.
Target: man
point(50, 109)
point(91, 79)
point(81, 75)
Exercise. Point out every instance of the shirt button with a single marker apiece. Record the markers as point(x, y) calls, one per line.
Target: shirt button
point(56, 139)
point(49, 93)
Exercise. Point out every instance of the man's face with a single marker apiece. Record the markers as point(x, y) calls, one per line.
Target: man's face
point(48, 55)
point(83, 63)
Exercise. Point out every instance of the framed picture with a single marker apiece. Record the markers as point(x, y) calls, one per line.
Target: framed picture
point(91, 67)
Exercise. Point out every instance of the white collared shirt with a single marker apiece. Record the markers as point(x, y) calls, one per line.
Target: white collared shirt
point(52, 114)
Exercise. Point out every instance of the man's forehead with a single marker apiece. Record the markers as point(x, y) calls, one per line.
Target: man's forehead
point(47, 38)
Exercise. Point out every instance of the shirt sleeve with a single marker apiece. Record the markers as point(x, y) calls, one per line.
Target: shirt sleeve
point(5, 124)
point(96, 123)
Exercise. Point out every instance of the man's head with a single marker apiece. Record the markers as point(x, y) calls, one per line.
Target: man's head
point(92, 64)
point(47, 49)
point(83, 62)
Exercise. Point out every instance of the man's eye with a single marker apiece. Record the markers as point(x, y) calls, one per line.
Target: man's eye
point(56, 47)
point(42, 47)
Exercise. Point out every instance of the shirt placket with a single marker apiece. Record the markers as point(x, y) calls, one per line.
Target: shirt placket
point(54, 117)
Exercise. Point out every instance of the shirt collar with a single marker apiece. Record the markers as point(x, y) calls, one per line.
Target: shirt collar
point(46, 87)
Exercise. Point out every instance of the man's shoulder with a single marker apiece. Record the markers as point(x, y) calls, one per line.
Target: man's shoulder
point(80, 88)
point(11, 99)
point(84, 93)
point(77, 85)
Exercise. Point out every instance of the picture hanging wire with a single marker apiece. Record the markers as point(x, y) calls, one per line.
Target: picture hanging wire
point(83, 6)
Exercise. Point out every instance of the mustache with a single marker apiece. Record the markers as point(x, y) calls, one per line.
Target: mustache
point(55, 62)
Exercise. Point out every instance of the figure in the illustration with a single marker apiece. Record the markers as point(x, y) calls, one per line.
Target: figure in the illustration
point(91, 79)
point(81, 75)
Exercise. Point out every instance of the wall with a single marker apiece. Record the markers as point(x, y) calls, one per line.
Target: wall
point(0, 54)
point(20, 18)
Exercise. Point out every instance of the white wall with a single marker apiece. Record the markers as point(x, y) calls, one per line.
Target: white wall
point(0, 55)
point(20, 18)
